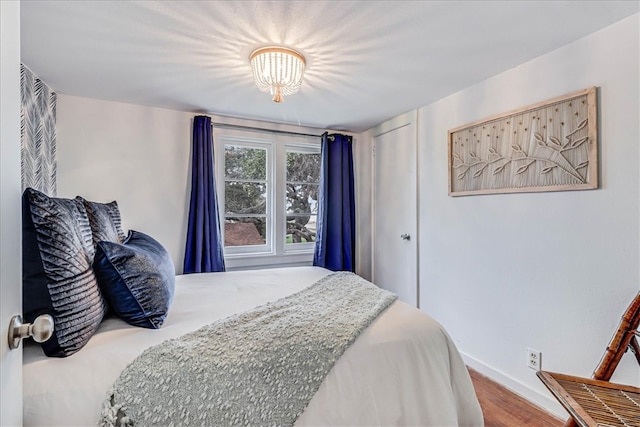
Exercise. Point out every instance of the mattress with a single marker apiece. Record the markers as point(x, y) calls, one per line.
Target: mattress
point(404, 369)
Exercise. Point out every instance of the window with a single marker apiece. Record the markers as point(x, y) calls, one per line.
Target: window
point(302, 182)
point(246, 189)
point(269, 197)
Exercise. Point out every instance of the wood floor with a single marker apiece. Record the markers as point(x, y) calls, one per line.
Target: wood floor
point(503, 408)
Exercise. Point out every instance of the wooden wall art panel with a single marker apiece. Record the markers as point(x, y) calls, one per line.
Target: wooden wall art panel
point(549, 146)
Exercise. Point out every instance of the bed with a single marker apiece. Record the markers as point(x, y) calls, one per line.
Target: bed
point(134, 344)
point(402, 370)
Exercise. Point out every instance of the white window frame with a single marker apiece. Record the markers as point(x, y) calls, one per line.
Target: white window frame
point(276, 252)
point(261, 144)
point(295, 147)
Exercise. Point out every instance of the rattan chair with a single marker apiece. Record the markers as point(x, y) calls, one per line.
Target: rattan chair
point(596, 401)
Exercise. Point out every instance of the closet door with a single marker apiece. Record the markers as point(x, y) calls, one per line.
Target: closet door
point(395, 204)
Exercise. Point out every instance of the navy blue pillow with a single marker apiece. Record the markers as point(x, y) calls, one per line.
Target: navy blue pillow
point(57, 279)
point(137, 278)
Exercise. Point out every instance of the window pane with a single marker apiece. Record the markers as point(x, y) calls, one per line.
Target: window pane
point(303, 167)
point(302, 198)
point(301, 228)
point(245, 197)
point(245, 231)
point(245, 163)
point(303, 175)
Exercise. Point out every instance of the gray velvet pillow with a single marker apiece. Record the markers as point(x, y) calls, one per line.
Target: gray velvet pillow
point(106, 224)
point(57, 255)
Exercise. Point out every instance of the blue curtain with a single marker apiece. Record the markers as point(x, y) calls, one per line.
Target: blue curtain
point(335, 237)
point(204, 249)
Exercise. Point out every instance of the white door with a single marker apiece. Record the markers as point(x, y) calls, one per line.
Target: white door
point(395, 203)
point(10, 222)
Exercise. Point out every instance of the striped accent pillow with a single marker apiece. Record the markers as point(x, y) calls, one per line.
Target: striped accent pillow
point(58, 279)
point(106, 224)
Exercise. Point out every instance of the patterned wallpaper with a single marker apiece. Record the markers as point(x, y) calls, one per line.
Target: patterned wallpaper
point(37, 133)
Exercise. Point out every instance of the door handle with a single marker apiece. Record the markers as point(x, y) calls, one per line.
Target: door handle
point(40, 330)
point(405, 236)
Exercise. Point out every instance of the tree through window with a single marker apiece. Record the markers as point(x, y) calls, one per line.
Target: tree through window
point(245, 196)
point(302, 183)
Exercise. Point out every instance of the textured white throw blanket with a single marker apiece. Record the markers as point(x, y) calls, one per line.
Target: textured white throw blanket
point(261, 367)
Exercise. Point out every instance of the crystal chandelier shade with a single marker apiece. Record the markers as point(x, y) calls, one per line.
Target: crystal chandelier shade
point(277, 70)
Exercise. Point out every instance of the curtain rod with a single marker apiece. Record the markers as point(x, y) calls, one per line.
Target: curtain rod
point(257, 129)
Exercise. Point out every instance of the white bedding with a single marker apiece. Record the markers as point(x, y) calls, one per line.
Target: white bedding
point(402, 370)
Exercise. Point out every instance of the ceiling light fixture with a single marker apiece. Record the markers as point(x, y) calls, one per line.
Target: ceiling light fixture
point(277, 70)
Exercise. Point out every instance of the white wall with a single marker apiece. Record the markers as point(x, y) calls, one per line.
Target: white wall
point(362, 170)
point(552, 271)
point(10, 208)
point(136, 155)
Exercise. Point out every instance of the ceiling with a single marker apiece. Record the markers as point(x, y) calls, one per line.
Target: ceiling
point(367, 61)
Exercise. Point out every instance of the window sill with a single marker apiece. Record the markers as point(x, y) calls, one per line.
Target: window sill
point(253, 261)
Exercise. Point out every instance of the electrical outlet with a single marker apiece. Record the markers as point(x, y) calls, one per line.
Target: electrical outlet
point(534, 359)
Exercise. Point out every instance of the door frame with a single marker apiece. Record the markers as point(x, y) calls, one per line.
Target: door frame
point(10, 207)
point(409, 118)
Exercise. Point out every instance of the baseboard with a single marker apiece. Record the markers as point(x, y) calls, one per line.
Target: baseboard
point(547, 403)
